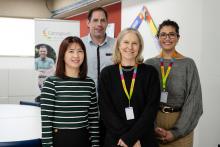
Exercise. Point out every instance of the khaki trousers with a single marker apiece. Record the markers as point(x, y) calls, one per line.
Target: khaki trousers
point(167, 121)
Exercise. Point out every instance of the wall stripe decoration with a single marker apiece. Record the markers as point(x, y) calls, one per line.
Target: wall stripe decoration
point(144, 15)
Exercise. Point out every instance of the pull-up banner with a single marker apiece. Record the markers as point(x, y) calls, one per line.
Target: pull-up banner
point(49, 33)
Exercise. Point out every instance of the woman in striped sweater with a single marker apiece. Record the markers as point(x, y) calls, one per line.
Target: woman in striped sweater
point(68, 100)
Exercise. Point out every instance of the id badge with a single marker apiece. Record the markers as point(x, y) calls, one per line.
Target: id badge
point(163, 97)
point(129, 113)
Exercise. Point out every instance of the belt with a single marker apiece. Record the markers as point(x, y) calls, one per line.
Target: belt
point(169, 109)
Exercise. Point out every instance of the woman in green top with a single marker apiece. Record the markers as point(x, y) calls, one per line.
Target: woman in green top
point(68, 100)
point(181, 97)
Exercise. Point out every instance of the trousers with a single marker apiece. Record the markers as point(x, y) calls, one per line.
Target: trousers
point(167, 121)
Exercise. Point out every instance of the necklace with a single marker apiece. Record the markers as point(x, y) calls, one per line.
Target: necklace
point(128, 69)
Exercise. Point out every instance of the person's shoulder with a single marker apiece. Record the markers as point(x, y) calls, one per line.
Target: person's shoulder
point(108, 72)
point(151, 60)
point(189, 62)
point(188, 59)
point(37, 59)
point(109, 67)
point(110, 39)
point(53, 78)
point(147, 68)
point(50, 59)
point(85, 38)
point(89, 79)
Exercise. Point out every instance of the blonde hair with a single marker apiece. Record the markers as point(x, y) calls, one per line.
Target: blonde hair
point(117, 55)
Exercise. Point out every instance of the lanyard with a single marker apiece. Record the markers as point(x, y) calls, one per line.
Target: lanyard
point(132, 82)
point(163, 74)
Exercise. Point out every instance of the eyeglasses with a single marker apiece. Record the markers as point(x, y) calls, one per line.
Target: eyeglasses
point(171, 35)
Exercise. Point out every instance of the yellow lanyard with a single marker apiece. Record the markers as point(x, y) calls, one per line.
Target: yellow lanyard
point(132, 82)
point(163, 74)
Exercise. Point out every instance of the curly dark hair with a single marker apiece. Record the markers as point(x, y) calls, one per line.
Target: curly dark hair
point(168, 22)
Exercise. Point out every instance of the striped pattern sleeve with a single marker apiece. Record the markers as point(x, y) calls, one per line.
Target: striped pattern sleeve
point(47, 110)
point(93, 118)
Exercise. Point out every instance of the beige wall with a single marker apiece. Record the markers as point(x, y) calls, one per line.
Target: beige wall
point(42, 8)
point(24, 9)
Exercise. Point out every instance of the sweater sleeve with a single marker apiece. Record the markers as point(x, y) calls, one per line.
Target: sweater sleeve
point(145, 122)
point(93, 118)
point(192, 108)
point(108, 113)
point(47, 109)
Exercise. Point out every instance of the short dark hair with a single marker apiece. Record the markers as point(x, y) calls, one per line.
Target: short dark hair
point(60, 68)
point(42, 46)
point(97, 9)
point(168, 22)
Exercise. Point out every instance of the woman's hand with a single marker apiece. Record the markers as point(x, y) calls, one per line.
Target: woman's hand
point(164, 135)
point(121, 143)
point(169, 136)
point(160, 132)
point(137, 144)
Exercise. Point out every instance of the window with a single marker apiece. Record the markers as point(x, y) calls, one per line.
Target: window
point(16, 37)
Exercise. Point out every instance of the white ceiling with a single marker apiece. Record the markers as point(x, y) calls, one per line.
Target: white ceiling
point(80, 6)
point(48, 8)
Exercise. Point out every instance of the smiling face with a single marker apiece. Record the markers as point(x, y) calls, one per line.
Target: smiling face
point(168, 38)
point(129, 48)
point(43, 52)
point(73, 57)
point(97, 24)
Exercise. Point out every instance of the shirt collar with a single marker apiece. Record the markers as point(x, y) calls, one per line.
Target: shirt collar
point(104, 42)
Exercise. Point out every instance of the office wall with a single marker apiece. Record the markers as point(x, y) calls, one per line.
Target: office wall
point(18, 79)
point(198, 21)
point(17, 85)
point(24, 9)
point(209, 130)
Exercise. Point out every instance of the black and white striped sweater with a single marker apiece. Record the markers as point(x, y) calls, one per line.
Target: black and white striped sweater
point(69, 103)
